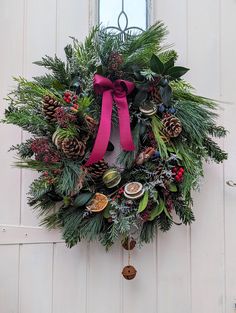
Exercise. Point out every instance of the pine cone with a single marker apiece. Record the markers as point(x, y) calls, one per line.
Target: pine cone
point(73, 148)
point(97, 170)
point(159, 169)
point(91, 123)
point(114, 62)
point(49, 108)
point(171, 126)
point(155, 95)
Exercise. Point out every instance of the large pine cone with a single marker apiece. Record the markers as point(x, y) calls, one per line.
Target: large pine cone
point(97, 170)
point(171, 126)
point(73, 148)
point(49, 108)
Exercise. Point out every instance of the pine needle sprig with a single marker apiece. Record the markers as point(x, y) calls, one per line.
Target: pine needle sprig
point(70, 173)
point(58, 67)
point(157, 131)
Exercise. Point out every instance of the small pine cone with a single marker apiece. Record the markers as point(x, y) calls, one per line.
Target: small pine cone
point(49, 108)
point(152, 139)
point(97, 170)
point(171, 126)
point(115, 61)
point(73, 148)
point(159, 169)
point(155, 95)
point(91, 123)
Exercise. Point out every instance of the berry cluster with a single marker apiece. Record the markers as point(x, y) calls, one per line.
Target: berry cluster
point(43, 152)
point(71, 98)
point(179, 172)
point(119, 193)
point(63, 117)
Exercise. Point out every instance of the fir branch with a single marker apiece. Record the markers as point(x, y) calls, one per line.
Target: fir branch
point(184, 212)
point(164, 222)
point(23, 149)
point(214, 152)
point(28, 120)
point(58, 67)
point(217, 131)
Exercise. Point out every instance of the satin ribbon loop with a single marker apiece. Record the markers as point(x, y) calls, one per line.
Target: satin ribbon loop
point(110, 91)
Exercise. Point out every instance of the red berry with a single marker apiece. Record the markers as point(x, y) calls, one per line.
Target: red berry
point(67, 94)
point(181, 169)
point(68, 100)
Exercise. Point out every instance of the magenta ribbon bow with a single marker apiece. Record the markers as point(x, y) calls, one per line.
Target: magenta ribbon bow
point(110, 91)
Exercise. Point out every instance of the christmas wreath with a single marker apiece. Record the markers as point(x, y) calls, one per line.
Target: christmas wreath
point(165, 129)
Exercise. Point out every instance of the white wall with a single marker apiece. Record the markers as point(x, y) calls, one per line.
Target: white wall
point(188, 270)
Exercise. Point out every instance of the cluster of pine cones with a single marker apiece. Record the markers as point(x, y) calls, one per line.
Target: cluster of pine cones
point(73, 148)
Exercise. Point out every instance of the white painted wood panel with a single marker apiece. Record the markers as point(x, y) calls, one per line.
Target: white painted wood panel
point(11, 54)
point(70, 278)
point(35, 278)
point(228, 93)
point(187, 270)
point(207, 233)
point(173, 254)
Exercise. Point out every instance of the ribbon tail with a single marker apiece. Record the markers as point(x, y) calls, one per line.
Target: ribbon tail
point(126, 139)
point(104, 130)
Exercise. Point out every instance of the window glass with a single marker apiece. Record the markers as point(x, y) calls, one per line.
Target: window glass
point(123, 13)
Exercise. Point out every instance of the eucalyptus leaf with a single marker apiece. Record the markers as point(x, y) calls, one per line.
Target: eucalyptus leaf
point(144, 202)
point(173, 187)
point(82, 199)
point(106, 212)
point(156, 211)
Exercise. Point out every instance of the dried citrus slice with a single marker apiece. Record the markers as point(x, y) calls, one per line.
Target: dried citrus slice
point(98, 203)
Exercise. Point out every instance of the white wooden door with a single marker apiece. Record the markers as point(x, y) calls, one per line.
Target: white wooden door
point(187, 270)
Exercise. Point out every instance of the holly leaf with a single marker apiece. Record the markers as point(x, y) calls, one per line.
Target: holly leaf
point(156, 65)
point(82, 199)
point(143, 203)
point(177, 71)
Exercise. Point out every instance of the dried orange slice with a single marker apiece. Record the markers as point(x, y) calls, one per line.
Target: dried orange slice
point(98, 203)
